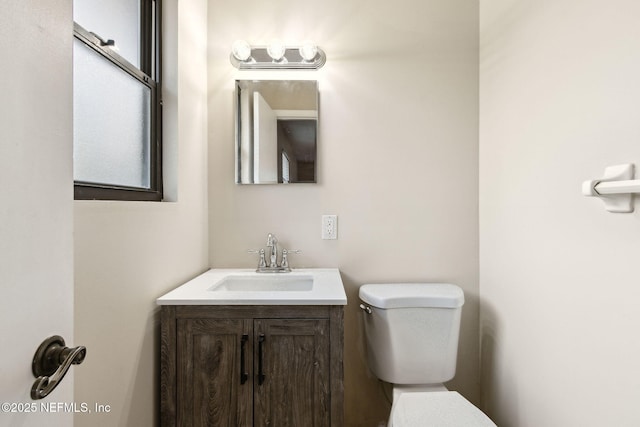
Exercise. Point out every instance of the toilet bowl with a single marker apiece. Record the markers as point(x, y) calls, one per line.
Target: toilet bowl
point(411, 331)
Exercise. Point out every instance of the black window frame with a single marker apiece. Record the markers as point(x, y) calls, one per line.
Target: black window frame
point(149, 74)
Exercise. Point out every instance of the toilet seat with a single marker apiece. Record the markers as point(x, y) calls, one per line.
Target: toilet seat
point(436, 409)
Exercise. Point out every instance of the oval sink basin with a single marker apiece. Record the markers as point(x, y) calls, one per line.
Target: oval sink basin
point(268, 283)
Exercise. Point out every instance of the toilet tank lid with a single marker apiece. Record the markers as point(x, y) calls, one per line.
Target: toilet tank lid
point(405, 295)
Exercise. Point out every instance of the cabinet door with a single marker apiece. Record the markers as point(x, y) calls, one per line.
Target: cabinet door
point(212, 356)
point(291, 373)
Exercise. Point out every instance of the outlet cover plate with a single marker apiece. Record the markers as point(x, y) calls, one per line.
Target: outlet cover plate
point(329, 227)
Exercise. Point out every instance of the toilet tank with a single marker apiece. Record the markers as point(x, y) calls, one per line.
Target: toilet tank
point(412, 331)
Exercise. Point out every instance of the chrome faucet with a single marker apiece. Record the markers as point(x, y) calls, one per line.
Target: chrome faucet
point(273, 267)
point(272, 242)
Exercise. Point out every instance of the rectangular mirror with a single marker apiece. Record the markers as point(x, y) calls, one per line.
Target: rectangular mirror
point(276, 131)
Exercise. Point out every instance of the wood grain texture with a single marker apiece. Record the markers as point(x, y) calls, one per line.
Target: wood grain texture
point(296, 365)
point(252, 311)
point(209, 389)
point(337, 365)
point(167, 366)
point(200, 366)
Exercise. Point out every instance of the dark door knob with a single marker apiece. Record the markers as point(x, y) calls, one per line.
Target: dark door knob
point(51, 363)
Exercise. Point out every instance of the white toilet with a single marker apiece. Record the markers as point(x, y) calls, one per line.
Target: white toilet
point(411, 331)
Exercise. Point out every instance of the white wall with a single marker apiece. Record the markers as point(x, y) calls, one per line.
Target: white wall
point(36, 200)
point(397, 157)
point(128, 254)
point(560, 95)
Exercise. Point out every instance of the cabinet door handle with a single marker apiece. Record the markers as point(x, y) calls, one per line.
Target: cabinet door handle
point(244, 375)
point(261, 376)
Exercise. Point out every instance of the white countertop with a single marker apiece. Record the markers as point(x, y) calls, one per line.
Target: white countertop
point(208, 288)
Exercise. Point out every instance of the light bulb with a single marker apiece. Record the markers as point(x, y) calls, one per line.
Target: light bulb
point(241, 50)
point(308, 51)
point(276, 50)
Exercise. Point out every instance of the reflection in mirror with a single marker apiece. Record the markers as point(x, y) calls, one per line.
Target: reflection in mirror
point(276, 131)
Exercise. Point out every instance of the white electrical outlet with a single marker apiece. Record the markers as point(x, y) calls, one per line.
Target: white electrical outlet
point(329, 227)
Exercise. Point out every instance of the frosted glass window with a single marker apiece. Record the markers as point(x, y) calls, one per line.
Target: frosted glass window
point(118, 20)
point(112, 123)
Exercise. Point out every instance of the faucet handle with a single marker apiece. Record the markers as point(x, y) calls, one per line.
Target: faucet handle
point(285, 256)
point(263, 262)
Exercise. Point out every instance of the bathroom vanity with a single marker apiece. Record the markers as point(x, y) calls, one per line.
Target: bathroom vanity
point(248, 349)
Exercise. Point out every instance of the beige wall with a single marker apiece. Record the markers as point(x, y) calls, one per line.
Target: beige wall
point(560, 91)
point(397, 157)
point(128, 254)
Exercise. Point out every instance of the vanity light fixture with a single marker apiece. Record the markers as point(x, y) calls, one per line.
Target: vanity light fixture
point(276, 56)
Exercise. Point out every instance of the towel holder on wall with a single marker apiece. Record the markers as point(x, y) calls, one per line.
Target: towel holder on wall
point(615, 188)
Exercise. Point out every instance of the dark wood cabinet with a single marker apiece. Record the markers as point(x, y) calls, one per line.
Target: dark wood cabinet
point(251, 366)
point(208, 357)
